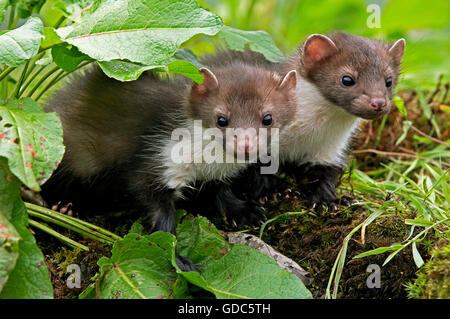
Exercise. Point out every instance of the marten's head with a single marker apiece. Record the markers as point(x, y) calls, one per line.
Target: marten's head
point(353, 72)
point(244, 98)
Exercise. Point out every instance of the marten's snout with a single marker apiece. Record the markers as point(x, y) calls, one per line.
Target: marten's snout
point(245, 145)
point(378, 103)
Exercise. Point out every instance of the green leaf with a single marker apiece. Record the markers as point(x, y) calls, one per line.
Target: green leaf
point(31, 140)
point(147, 32)
point(129, 71)
point(200, 240)
point(258, 41)
point(139, 268)
point(406, 127)
point(21, 44)
point(9, 249)
point(50, 38)
point(400, 106)
point(416, 255)
point(124, 70)
point(378, 251)
point(419, 222)
point(30, 277)
point(246, 273)
point(187, 55)
point(233, 271)
point(68, 57)
point(9, 238)
point(71, 8)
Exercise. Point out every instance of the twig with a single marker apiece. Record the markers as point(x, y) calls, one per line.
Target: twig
point(430, 137)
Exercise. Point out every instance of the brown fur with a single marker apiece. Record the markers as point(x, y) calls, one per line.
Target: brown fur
point(368, 61)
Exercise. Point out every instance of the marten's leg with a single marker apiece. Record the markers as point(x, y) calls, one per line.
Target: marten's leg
point(318, 185)
point(160, 215)
point(215, 197)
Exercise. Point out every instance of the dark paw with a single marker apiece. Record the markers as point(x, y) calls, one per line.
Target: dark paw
point(186, 264)
point(321, 205)
point(252, 214)
point(345, 201)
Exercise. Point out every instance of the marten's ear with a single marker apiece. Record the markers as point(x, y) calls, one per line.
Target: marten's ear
point(289, 81)
point(210, 83)
point(316, 49)
point(396, 50)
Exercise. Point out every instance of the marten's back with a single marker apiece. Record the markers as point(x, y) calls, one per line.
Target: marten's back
point(102, 118)
point(103, 121)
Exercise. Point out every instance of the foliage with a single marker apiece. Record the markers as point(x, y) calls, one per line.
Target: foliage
point(144, 267)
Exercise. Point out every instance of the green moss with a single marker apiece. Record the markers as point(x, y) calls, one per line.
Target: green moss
point(390, 226)
point(433, 281)
point(66, 257)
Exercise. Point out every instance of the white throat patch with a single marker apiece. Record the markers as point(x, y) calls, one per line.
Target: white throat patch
point(320, 132)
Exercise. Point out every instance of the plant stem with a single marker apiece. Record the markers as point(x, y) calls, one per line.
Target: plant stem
point(19, 83)
point(42, 79)
point(53, 233)
point(57, 78)
point(6, 72)
point(59, 22)
point(69, 219)
point(50, 84)
point(11, 17)
point(31, 79)
point(72, 226)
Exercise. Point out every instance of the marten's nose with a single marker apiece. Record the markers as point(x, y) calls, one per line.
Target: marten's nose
point(378, 103)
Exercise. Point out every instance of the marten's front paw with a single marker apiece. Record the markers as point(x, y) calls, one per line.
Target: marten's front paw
point(328, 204)
point(251, 214)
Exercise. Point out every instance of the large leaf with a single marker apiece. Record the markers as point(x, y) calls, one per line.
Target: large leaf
point(129, 71)
point(50, 38)
point(27, 275)
point(67, 57)
point(200, 240)
point(183, 62)
point(21, 44)
point(246, 273)
point(31, 140)
point(140, 268)
point(143, 267)
point(233, 271)
point(147, 32)
point(258, 41)
point(9, 238)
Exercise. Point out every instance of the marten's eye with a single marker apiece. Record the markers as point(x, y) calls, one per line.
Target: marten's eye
point(222, 121)
point(348, 80)
point(267, 120)
point(388, 82)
